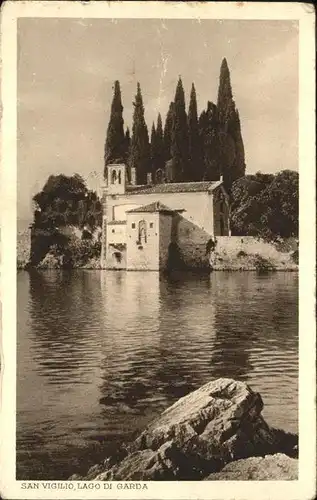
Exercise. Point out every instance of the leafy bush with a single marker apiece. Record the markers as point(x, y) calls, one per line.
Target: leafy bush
point(265, 205)
point(79, 252)
point(295, 256)
point(86, 235)
point(262, 264)
point(65, 201)
point(242, 253)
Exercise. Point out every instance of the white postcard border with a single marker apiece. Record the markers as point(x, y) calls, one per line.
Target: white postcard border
point(305, 486)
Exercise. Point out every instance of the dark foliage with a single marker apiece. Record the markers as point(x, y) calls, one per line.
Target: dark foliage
point(64, 201)
point(225, 97)
point(127, 145)
point(153, 148)
point(168, 132)
point(232, 165)
point(210, 143)
point(116, 142)
point(194, 149)
point(179, 137)
point(265, 205)
point(157, 146)
point(191, 149)
point(139, 156)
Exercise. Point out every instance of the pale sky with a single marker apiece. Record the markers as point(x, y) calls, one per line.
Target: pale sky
point(66, 70)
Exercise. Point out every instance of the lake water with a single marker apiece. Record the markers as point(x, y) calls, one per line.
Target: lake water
point(102, 353)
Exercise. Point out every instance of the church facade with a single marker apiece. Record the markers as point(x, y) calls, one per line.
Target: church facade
point(158, 226)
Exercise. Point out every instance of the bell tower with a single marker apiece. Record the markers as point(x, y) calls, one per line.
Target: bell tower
point(116, 178)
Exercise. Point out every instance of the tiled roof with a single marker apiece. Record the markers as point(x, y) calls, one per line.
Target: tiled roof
point(116, 222)
point(157, 206)
point(173, 187)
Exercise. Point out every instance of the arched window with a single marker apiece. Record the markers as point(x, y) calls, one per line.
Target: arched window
point(113, 177)
point(142, 232)
point(119, 177)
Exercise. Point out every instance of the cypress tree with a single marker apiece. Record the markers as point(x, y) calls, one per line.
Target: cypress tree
point(115, 141)
point(225, 99)
point(139, 156)
point(168, 132)
point(179, 146)
point(127, 142)
point(210, 143)
point(195, 160)
point(238, 168)
point(157, 146)
point(231, 142)
point(160, 159)
point(153, 149)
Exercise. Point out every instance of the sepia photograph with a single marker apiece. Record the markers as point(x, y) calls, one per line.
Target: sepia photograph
point(158, 242)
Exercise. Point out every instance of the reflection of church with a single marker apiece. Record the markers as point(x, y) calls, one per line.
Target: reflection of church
point(162, 224)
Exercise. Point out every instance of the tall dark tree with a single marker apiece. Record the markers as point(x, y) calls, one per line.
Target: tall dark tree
point(233, 165)
point(194, 150)
point(127, 143)
point(115, 141)
point(153, 149)
point(238, 167)
point(160, 159)
point(179, 146)
point(209, 143)
point(225, 98)
point(139, 156)
point(157, 146)
point(168, 131)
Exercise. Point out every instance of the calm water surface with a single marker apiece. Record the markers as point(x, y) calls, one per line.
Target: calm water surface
point(101, 353)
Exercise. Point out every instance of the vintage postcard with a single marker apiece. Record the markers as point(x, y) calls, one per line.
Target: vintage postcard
point(157, 250)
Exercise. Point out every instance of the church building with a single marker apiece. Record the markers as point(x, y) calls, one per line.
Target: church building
point(159, 226)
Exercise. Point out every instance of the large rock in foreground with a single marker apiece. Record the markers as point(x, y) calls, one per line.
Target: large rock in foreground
point(277, 467)
point(199, 434)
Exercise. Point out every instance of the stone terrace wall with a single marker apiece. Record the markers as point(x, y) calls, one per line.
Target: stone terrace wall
point(235, 252)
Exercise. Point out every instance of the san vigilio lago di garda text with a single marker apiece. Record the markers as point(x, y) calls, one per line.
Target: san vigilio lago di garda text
point(82, 485)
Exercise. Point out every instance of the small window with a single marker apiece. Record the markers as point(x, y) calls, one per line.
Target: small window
point(151, 224)
point(113, 231)
point(117, 256)
point(133, 225)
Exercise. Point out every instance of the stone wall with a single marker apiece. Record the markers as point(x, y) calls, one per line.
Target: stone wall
point(165, 234)
point(244, 252)
point(143, 255)
point(249, 244)
point(192, 242)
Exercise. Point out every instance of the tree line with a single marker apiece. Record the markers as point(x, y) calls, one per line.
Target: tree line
point(198, 146)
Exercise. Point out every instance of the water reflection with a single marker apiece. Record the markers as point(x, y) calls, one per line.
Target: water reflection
point(64, 317)
point(101, 353)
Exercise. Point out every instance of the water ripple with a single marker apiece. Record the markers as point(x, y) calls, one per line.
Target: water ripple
point(102, 353)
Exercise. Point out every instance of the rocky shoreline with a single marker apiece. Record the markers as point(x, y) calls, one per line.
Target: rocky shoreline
point(214, 433)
